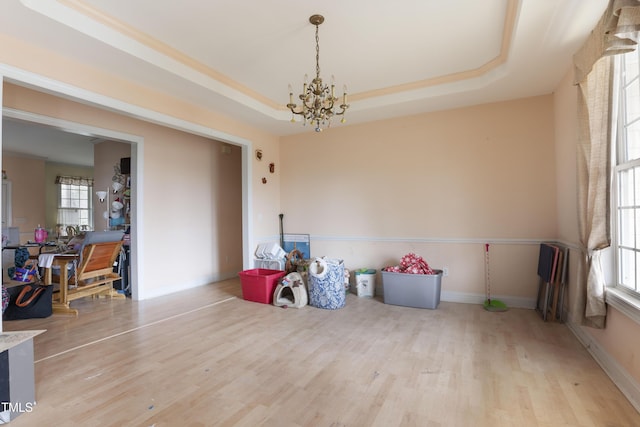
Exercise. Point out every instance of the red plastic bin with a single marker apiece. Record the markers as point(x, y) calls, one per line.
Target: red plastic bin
point(258, 284)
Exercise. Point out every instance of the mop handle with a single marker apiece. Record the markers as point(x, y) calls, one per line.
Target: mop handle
point(281, 216)
point(486, 268)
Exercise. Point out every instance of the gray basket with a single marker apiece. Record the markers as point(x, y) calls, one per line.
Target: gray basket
point(412, 290)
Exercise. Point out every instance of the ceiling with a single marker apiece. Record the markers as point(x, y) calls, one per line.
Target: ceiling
point(21, 138)
point(238, 57)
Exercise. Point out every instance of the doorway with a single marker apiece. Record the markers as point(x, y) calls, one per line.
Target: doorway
point(62, 91)
point(80, 135)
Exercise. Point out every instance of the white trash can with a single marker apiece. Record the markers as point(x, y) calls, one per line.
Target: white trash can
point(365, 282)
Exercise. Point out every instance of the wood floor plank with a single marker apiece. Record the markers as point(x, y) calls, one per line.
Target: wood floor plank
point(205, 357)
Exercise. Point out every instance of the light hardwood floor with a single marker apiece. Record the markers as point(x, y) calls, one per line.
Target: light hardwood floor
point(205, 357)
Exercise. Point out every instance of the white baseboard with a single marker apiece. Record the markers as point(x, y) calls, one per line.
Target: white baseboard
point(620, 377)
point(183, 286)
point(467, 298)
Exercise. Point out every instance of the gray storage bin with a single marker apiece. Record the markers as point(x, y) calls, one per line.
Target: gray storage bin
point(412, 290)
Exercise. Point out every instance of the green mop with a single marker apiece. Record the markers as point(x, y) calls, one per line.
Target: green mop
point(490, 304)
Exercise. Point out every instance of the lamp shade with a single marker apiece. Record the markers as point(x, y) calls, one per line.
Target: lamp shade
point(101, 195)
point(116, 186)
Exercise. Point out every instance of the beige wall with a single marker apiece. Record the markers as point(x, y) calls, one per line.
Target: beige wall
point(266, 197)
point(440, 184)
point(27, 176)
point(226, 211)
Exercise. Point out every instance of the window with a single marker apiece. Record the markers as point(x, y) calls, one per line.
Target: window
point(627, 175)
point(74, 203)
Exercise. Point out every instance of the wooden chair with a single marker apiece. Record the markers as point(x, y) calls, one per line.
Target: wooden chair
point(94, 275)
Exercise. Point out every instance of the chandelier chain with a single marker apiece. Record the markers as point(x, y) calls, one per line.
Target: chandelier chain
point(317, 53)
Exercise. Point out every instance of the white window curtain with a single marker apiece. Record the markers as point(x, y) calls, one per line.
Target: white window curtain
point(615, 33)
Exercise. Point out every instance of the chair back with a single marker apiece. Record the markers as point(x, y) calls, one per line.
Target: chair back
point(91, 237)
point(98, 259)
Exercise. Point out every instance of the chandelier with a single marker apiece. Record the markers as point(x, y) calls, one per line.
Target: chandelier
point(318, 99)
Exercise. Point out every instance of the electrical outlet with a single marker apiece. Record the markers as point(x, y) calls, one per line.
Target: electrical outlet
point(445, 271)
